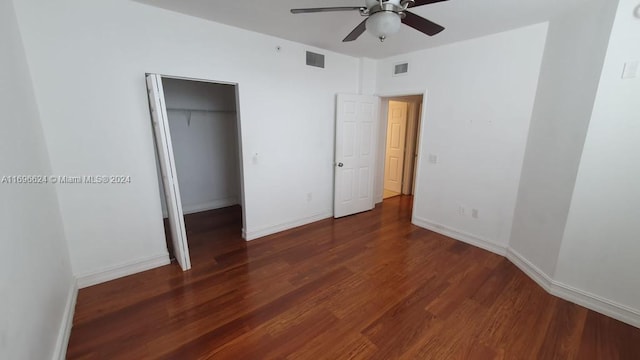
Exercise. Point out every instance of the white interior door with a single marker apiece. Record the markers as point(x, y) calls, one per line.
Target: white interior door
point(396, 136)
point(356, 144)
point(168, 170)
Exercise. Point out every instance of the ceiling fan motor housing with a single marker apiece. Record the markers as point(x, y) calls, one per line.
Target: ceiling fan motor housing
point(388, 5)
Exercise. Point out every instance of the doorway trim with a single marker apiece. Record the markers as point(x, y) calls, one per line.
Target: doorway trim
point(384, 113)
point(241, 174)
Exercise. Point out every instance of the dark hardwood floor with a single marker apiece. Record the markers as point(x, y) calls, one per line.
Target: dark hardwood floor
point(369, 286)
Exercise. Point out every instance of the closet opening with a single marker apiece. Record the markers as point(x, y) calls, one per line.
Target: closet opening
point(198, 137)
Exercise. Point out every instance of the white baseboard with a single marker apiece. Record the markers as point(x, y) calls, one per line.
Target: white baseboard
point(532, 271)
point(255, 234)
point(460, 235)
point(597, 303)
point(575, 295)
point(556, 288)
point(60, 352)
point(210, 205)
point(118, 271)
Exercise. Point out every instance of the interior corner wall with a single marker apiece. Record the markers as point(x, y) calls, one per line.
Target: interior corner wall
point(36, 285)
point(367, 76)
point(600, 252)
point(88, 60)
point(573, 57)
point(476, 113)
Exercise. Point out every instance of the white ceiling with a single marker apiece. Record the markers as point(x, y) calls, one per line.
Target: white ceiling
point(463, 19)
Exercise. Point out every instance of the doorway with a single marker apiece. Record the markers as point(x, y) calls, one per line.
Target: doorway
point(197, 133)
point(400, 145)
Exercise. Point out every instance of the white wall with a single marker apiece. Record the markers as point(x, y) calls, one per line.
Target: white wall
point(368, 76)
point(36, 285)
point(205, 144)
point(600, 251)
point(574, 54)
point(475, 119)
point(88, 61)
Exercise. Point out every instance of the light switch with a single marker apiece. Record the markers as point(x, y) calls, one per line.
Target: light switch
point(630, 70)
point(433, 158)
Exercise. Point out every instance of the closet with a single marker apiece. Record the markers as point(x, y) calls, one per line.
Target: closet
point(204, 139)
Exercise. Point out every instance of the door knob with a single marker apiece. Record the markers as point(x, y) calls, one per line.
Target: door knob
point(340, 164)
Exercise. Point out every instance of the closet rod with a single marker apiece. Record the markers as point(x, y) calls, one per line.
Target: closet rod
point(197, 110)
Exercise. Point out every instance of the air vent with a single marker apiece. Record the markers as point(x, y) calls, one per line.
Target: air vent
point(314, 59)
point(400, 69)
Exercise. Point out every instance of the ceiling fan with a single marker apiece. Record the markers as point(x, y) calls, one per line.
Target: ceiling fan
point(384, 17)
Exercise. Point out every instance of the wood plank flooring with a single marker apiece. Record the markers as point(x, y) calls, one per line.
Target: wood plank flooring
point(369, 286)
point(386, 194)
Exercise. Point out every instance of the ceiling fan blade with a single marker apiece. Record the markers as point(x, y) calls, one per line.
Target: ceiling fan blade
point(326, 9)
point(424, 2)
point(421, 24)
point(355, 33)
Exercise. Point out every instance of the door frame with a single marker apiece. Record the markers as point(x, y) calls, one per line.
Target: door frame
point(411, 143)
point(236, 86)
point(382, 134)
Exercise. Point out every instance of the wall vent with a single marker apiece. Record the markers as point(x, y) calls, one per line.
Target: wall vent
point(314, 59)
point(400, 69)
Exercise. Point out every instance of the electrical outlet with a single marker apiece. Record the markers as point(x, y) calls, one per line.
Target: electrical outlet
point(474, 213)
point(309, 197)
point(462, 210)
point(433, 158)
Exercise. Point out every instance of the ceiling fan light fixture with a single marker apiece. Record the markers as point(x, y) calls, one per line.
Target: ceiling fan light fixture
point(383, 24)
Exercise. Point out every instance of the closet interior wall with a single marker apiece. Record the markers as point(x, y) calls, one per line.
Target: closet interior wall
point(203, 127)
